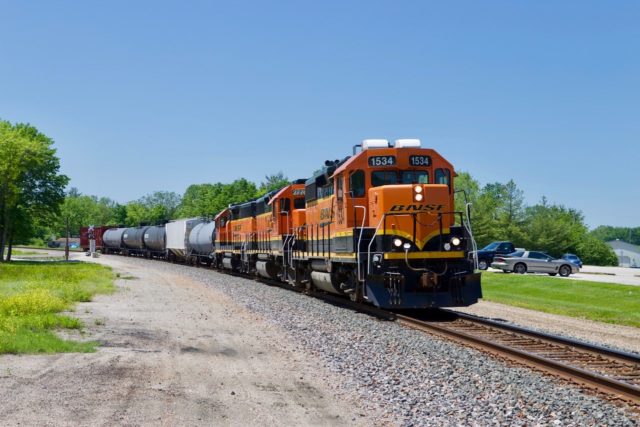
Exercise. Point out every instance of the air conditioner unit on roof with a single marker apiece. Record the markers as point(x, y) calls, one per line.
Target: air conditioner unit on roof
point(375, 143)
point(408, 143)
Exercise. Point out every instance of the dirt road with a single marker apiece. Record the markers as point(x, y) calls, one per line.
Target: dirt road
point(174, 353)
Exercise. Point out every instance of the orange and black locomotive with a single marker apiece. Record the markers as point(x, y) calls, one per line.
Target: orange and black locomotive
point(378, 226)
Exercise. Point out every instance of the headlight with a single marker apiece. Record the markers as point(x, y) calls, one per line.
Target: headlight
point(407, 246)
point(447, 246)
point(418, 197)
point(397, 242)
point(417, 189)
point(455, 241)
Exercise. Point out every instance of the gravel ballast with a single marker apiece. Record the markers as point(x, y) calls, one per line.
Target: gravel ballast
point(408, 376)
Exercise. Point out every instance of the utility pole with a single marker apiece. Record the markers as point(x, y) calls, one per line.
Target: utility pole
point(66, 245)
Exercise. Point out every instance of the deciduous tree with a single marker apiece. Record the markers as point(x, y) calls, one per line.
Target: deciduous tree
point(31, 187)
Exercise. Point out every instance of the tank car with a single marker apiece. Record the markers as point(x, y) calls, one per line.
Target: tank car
point(155, 241)
point(112, 240)
point(133, 241)
point(201, 242)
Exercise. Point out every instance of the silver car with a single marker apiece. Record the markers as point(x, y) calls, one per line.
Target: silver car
point(534, 262)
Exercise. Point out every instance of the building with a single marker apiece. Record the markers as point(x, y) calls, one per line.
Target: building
point(628, 254)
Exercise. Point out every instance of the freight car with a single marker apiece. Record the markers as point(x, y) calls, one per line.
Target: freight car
point(97, 234)
point(112, 241)
point(378, 227)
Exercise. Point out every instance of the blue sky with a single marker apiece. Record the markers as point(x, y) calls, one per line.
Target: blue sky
point(143, 96)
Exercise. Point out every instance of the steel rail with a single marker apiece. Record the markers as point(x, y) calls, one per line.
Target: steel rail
point(555, 339)
point(612, 386)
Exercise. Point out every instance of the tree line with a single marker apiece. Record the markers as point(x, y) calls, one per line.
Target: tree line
point(199, 200)
point(500, 213)
point(34, 207)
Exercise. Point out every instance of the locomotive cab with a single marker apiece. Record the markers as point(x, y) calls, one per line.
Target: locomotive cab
point(383, 229)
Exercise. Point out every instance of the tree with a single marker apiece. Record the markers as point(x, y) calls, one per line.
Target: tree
point(163, 203)
point(83, 210)
point(606, 233)
point(595, 252)
point(200, 200)
point(273, 182)
point(239, 191)
point(553, 228)
point(510, 213)
point(467, 190)
point(31, 188)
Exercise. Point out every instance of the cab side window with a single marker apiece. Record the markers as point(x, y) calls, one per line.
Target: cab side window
point(356, 183)
point(443, 176)
point(285, 205)
point(298, 203)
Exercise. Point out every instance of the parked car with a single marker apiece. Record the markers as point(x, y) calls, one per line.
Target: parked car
point(534, 262)
point(486, 254)
point(573, 258)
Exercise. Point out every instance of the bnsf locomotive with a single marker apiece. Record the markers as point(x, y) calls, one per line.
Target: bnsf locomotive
point(378, 226)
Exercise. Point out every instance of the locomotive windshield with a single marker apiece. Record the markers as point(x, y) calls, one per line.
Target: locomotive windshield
point(414, 177)
point(388, 177)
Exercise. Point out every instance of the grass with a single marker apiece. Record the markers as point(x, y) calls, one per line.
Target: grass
point(603, 302)
point(19, 252)
point(33, 293)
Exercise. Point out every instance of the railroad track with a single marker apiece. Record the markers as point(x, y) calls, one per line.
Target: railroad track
point(614, 373)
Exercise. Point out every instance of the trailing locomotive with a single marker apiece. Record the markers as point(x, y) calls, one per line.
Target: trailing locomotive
point(378, 227)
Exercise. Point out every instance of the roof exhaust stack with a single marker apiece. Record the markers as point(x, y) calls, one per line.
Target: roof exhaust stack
point(408, 143)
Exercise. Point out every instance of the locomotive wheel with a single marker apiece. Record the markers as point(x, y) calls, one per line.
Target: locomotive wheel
point(357, 295)
point(520, 268)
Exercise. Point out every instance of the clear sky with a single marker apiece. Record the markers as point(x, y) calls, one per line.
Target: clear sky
point(151, 95)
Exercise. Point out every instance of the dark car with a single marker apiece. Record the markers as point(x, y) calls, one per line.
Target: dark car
point(486, 254)
point(573, 258)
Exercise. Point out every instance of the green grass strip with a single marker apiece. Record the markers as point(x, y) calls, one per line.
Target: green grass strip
point(33, 293)
point(603, 302)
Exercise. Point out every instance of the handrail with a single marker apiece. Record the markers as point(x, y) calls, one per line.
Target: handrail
point(375, 233)
point(364, 216)
point(474, 245)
